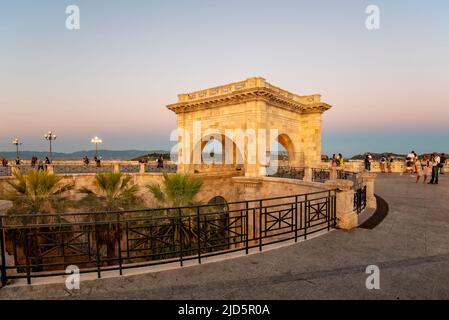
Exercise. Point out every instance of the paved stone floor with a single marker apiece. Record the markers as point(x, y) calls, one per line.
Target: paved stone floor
point(411, 248)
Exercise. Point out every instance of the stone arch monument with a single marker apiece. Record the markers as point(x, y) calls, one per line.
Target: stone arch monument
point(239, 113)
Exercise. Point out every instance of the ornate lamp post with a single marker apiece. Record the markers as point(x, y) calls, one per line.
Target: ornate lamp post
point(96, 141)
point(50, 136)
point(17, 143)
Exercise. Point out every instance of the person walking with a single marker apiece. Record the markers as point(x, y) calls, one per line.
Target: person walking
point(40, 165)
point(33, 162)
point(160, 162)
point(367, 163)
point(383, 164)
point(424, 168)
point(334, 161)
point(418, 169)
point(341, 161)
point(435, 160)
point(410, 162)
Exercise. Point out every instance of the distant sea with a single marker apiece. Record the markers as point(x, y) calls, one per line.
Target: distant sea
point(78, 155)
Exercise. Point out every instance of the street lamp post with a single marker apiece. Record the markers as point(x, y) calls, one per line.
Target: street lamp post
point(50, 136)
point(96, 141)
point(17, 143)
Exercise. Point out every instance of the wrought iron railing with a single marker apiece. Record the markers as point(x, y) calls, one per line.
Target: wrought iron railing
point(289, 172)
point(5, 171)
point(45, 244)
point(359, 199)
point(320, 175)
point(166, 167)
point(76, 169)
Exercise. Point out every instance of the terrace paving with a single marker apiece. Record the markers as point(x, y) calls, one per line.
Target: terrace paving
point(410, 246)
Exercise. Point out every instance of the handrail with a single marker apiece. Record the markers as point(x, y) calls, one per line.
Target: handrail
point(46, 249)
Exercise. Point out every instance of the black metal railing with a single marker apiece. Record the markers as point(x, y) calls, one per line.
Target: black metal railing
point(166, 167)
point(5, 171)
point(359, 198)
point(77, 169)
point(320, 175)
point(289, 172)
point(45, 244)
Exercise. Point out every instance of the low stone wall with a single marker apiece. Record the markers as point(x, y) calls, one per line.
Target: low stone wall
point(359, 166)
point(215, 184)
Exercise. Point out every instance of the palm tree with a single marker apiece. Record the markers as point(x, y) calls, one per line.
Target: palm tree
point(32, 194)
point(37, 192)
point(113, 193)
point(178, 190)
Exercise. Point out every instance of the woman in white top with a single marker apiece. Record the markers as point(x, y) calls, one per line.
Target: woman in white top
point(424, 168)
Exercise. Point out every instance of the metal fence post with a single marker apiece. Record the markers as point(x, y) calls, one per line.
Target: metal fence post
point(119, 236)
point(4, 277)
point(260, 225)
point(247, 227)
point(296, 218)
point(306, 213)
point(198, 221)
point(180, 237)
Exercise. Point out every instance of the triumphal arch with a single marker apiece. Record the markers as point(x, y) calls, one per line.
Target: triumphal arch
point(245, 117)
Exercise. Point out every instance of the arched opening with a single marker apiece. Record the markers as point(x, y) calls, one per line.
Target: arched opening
point(221, 151)
point(282, 159)
point(212, 152)
point(216, 225)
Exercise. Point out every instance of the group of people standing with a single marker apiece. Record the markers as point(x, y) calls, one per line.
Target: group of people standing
point(338, 161)
point(432, 165)
point(96, 159)
point(386, 163)
point(41, 164)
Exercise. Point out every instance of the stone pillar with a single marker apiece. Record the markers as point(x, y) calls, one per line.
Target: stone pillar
point(15, 169)
point(50, 169)
point(368, 178)
point(250, 189)
point(116, 167)
point(333, 174)
point(347, 219)
point(142, 168)
point(308, 174)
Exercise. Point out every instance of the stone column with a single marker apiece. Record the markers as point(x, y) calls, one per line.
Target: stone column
point(347, 219)
point(308, 174)
point(250, 189)
point(116, 167)
point(368, 178)
point(50, 169)
point(15, 169)
point(333, 174)
point(142, 168)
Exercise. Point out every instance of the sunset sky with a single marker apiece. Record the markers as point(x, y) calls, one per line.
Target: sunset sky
point(389, 88)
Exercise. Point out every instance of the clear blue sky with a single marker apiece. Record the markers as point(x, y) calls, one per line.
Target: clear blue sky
point(113, 77)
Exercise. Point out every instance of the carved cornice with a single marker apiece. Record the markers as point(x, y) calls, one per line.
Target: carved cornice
point(252, 89)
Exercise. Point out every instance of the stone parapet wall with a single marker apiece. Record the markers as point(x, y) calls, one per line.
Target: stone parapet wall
point(359, 166)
